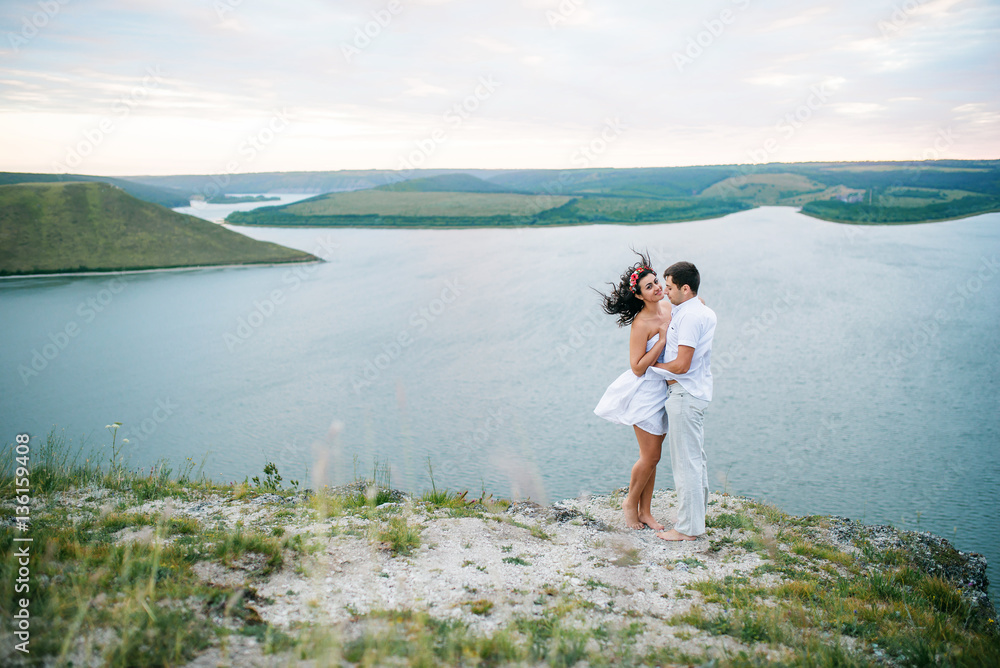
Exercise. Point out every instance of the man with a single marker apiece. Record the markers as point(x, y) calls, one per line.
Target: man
point(689, 390)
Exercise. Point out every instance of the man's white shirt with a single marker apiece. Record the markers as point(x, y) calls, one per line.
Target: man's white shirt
point(691, 324)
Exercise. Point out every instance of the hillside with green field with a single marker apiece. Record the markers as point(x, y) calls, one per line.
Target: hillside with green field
point(295, 182)
point(71, 227)
point(450, 183)
point(887, 208)
point(438, 202)
point(162, 195)
point(858, 192)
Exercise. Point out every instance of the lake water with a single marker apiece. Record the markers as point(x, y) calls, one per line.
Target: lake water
point(857, 369)
point(218, 212)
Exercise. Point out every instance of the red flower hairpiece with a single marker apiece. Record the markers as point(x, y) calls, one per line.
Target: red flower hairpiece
point(635, 276)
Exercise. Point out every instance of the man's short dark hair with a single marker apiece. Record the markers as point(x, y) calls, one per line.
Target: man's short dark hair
point(684, 273)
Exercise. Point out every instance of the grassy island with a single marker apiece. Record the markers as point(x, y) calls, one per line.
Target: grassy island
point(162, 195)
point(135, 567)
point(457, 200)
point(240, 199)
point(76, 227)
point(874, 193)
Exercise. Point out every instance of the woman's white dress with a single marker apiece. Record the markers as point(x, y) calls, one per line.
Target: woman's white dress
point(637, 400)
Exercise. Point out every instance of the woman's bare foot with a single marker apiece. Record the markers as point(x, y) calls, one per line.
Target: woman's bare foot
point(648, 520)
point(674, 534)
point(631, 516)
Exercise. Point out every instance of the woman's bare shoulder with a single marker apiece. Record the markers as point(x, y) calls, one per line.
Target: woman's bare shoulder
point(646, 327)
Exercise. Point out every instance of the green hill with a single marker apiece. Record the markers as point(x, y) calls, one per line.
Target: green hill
point(650, 182)
point(452, 183)
point(294, 182)
point(67, 227)
point(387, 208)
point(168, 197)
point(893, 192)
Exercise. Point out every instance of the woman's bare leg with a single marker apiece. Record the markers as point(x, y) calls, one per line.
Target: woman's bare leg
point(649, 455)
point(646, 501)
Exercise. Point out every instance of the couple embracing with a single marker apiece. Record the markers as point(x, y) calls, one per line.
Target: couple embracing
point(666, 391)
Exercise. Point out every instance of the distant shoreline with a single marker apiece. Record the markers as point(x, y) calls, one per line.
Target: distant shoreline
point(908, 222)
point(116, 272)
point(798, 209)
point(486, 226)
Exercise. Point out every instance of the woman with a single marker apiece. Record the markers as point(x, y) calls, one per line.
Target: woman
point(636, 398)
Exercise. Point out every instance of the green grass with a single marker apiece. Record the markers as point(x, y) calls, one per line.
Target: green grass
point(417, 639)
point(910, 615)
point(422, 204)
point(400, 536)
point(88, 583)
point(71, 227)
point(164, 196)
point(481, 607)
point(517, 561)
point(534, 529)
point(231, 547)
point(56, 466)
point(897, 213)
point(158, 612)
point(451, 183)
point(765, 189)
point(730, 521)
point(594, 209)
point(894, 193)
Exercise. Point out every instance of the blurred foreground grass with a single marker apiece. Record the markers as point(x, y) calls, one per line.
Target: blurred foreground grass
point(117, 586)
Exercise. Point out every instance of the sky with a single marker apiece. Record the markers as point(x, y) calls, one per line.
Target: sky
point(130, 87)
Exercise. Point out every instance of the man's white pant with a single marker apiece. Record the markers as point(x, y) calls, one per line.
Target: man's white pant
point(686, 434)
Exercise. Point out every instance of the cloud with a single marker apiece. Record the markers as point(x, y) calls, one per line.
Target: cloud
point(417, 87)
point(893, 77)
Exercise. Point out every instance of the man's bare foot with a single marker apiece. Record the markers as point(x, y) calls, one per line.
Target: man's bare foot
point(631, 516)
point(648, 520)
point(674, 534)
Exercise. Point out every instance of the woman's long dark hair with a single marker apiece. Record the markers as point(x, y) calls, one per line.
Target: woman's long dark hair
point(622, 301)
